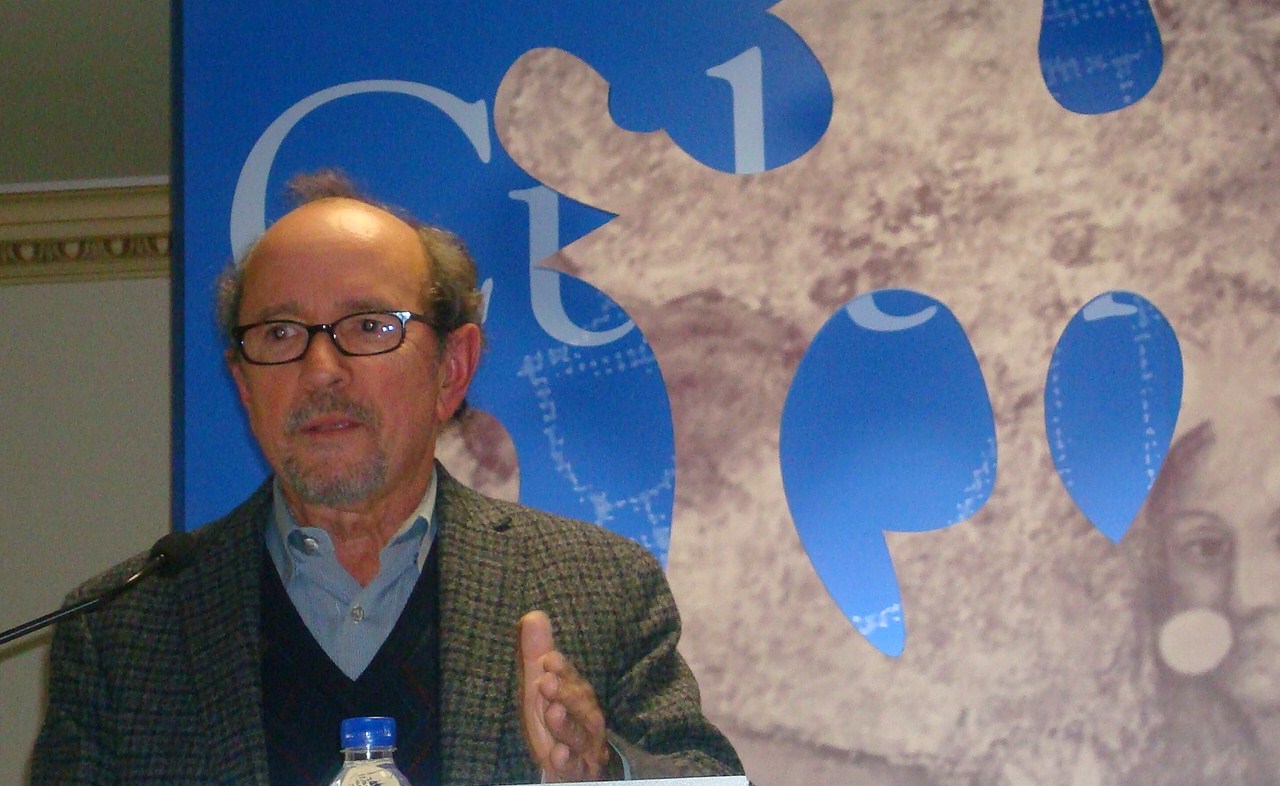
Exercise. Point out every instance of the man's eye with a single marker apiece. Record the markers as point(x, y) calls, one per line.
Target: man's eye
point(280, 331)
point(375, 325)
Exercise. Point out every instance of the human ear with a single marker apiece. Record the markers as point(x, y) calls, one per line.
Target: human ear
point(458, 362)
point(236, 367)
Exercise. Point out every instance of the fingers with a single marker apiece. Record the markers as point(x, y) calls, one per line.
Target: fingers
point(533, 643)
point(536, 638)
point(574, 722)
point(564, 726)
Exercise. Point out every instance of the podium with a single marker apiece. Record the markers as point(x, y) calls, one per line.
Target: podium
point(715, 780)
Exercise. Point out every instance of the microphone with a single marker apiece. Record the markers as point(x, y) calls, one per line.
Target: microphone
point(168, 556)
point(172, 553)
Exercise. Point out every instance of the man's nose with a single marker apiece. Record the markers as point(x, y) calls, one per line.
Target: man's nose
point(1255, 583)
point(322, 363)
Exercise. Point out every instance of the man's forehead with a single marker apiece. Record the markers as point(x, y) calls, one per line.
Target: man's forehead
point(338, 226)
point(333, 243)
point(334, 217)
point(1235, 453)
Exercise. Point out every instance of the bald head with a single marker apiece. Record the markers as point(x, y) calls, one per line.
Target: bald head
point(449, 287)
point(338, 241)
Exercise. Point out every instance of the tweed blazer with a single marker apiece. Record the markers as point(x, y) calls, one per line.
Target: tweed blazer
point(163, 685)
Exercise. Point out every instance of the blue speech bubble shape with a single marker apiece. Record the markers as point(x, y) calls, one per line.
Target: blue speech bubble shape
point(887, 426)
point(1111, 402)
point(1099, 55)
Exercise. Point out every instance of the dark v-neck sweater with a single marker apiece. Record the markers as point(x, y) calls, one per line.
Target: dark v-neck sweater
point(305, 696)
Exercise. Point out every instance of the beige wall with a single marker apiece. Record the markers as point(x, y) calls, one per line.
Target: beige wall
point(84, 392)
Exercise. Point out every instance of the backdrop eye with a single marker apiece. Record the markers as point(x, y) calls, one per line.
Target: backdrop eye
point(1207, 549)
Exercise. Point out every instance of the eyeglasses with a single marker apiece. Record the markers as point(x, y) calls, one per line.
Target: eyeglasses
point(280, 341)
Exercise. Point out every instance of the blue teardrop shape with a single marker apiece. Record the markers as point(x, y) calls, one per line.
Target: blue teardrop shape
point(1099, 55)
point(887, 426)
point(1111, 402)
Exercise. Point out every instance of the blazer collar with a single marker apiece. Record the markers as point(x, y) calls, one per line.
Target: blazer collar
point(219, 614)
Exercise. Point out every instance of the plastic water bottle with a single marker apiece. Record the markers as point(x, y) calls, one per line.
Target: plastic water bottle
point(367, 745)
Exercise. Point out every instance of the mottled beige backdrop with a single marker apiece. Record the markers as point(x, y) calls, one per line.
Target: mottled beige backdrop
point(949, 169)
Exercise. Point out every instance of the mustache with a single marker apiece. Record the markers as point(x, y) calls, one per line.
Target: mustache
point(328, 403)
point(1260, 627)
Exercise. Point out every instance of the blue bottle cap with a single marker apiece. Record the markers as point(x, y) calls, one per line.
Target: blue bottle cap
point(368, 733)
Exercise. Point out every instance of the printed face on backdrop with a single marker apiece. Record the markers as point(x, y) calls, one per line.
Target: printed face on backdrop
point(339, 430)
point(1219, 524)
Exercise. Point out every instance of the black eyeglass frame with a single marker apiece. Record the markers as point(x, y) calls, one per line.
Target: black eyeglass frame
point(238, 332)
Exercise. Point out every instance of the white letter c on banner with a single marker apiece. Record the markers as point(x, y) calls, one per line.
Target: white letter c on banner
point(249, 205)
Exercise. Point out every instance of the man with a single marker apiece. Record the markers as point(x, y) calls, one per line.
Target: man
point(1215, 599)
point(363, 579)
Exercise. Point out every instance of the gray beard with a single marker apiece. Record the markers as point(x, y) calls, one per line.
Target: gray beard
point(355, 485)
point(316, 486)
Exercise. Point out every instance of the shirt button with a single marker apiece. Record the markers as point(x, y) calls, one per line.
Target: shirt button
point(310, 545)
point(357, 612)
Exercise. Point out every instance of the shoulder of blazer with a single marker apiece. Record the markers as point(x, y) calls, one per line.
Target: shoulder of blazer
point(467, 508)
point(479, 534)
point(231, 532)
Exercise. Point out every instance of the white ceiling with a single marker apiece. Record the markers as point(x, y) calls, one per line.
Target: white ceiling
point(84, 90)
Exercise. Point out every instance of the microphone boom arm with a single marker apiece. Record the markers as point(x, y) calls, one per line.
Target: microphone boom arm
point(171, 552)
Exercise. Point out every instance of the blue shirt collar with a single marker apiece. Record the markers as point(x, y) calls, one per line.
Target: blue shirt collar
point(417, 532)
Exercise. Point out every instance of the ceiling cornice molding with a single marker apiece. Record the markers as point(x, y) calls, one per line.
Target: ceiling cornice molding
point(84, 234)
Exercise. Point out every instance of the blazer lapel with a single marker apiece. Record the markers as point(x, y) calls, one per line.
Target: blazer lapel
point(479, 610)
point(219, 612)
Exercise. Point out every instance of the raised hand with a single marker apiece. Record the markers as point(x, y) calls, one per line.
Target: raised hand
point(563, 724)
